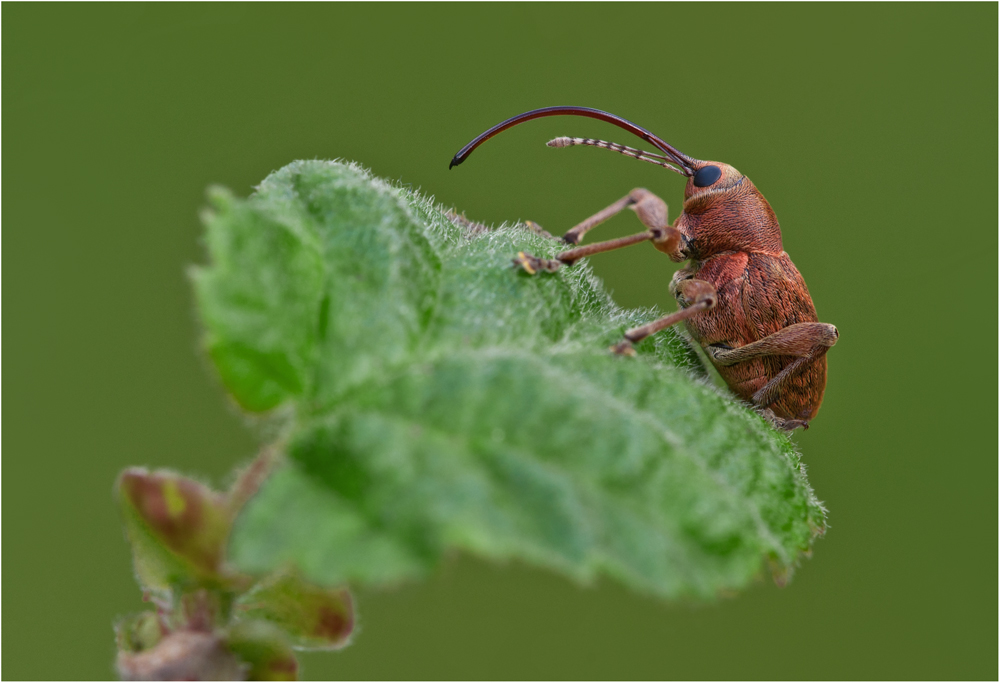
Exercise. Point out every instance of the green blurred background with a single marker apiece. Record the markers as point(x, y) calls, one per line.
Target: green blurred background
point(872, 130)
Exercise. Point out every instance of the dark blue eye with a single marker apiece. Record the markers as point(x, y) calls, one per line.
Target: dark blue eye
point(707, 175)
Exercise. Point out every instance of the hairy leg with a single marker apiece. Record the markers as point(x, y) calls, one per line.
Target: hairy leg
point(702, 296)
point(652, 212)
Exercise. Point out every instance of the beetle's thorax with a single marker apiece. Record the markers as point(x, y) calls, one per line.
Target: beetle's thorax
point(735, 217)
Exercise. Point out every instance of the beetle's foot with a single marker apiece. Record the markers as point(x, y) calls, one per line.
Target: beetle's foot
point(533, 264)
point(623, 348)
point(783, 423)
point(539, 230)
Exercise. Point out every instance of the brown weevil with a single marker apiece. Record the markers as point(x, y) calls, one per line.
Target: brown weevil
point(741, 297)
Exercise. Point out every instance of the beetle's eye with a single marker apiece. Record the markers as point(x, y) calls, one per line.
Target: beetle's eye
point(707, 175)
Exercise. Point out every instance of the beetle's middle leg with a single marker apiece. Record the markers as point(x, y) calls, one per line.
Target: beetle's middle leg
point(700, 293)
point(652, 211)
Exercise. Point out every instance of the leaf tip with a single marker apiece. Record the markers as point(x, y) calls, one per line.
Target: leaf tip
point(219, 197)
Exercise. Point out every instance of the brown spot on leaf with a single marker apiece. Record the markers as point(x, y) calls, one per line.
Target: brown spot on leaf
point(186, 515)
point(334, 624)
point(289, 667)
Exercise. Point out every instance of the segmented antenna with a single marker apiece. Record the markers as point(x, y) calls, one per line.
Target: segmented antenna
point(640, 154)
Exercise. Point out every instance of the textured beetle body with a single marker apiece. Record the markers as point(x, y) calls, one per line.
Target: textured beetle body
point(733, 240)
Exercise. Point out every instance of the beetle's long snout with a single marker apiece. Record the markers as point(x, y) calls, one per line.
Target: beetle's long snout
point(682, 163)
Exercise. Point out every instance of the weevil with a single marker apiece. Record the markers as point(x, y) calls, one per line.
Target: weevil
point(740, 297)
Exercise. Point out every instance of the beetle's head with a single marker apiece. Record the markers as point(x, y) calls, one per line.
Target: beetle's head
point(710, 177)
point(715, 196)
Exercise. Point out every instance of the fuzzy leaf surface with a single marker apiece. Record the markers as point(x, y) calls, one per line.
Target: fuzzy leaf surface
point(435, 399)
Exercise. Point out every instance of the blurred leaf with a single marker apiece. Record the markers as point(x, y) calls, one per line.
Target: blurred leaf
point(139, 632)
point(265, 649)
point(435, 398)
point(316, 617)
point(177, 528)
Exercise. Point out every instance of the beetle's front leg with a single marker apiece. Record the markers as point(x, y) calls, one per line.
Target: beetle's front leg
point(533, 264)
point(700, 293)
point(650, 209)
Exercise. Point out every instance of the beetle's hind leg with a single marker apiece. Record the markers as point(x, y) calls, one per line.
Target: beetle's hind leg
point(804, 340)
point(808, 342)
point(700, 293)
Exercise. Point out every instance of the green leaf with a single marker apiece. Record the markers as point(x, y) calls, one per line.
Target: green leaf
point(316, 618)
point(264, 649)
point(434, 398)
point(139, 632)
point(263, 291)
